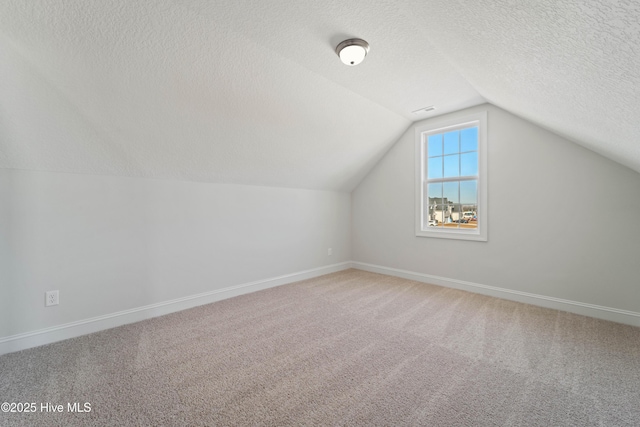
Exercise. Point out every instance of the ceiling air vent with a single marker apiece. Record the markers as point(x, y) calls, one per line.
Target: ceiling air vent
point(425, 109)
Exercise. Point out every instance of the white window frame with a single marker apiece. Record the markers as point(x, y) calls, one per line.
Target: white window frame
point(440, 126)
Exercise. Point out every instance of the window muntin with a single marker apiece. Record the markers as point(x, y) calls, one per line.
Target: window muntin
point(451, 179)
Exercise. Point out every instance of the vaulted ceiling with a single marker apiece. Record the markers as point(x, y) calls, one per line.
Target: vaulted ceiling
point(252, 92)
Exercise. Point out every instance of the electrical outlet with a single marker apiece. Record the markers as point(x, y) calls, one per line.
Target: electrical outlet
point(51, 298)
point(330, 251)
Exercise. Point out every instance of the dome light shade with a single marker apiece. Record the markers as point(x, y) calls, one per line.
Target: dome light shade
point(352, 51)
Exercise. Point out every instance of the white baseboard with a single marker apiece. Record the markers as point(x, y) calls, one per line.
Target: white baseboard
point(95, 324)
point(74, 329)
point(591, 310)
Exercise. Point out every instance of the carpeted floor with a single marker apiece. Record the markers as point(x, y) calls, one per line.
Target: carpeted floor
point(349, 348)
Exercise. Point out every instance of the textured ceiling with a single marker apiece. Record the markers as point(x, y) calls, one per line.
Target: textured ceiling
point(571, 66)
point(252, 92)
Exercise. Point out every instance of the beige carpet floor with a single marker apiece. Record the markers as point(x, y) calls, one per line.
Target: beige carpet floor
point(349, 348)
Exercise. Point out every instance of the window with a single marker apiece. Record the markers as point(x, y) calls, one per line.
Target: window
point(451, 179)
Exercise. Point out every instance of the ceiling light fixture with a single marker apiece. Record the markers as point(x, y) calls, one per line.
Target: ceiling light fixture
point(352, 51)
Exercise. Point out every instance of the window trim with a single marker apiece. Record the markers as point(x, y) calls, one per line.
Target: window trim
point(439, 126)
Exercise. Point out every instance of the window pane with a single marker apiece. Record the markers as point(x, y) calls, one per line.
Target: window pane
point(470, 219)
point(450, 192)
point(469, 139)
point(452, 166)
point(434, 147)
point(434, 168)
point(469, 164)
point(435, 205)
point(469, 194)
point(434, 191)
point(456, 213)
point(451, 142)
point(451, 196)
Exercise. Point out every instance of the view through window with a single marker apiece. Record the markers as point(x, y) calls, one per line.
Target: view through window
point(452, 179)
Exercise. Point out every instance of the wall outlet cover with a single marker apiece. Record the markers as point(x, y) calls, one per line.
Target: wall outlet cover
point(51, 298)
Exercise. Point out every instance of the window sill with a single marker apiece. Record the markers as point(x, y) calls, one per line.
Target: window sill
point(453, 234)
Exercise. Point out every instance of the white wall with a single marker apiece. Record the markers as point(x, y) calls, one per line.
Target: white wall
point(578, 254)
point(112, 243)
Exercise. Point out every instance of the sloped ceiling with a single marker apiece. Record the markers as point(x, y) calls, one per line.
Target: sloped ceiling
point(252, 92)
point(571, 66)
